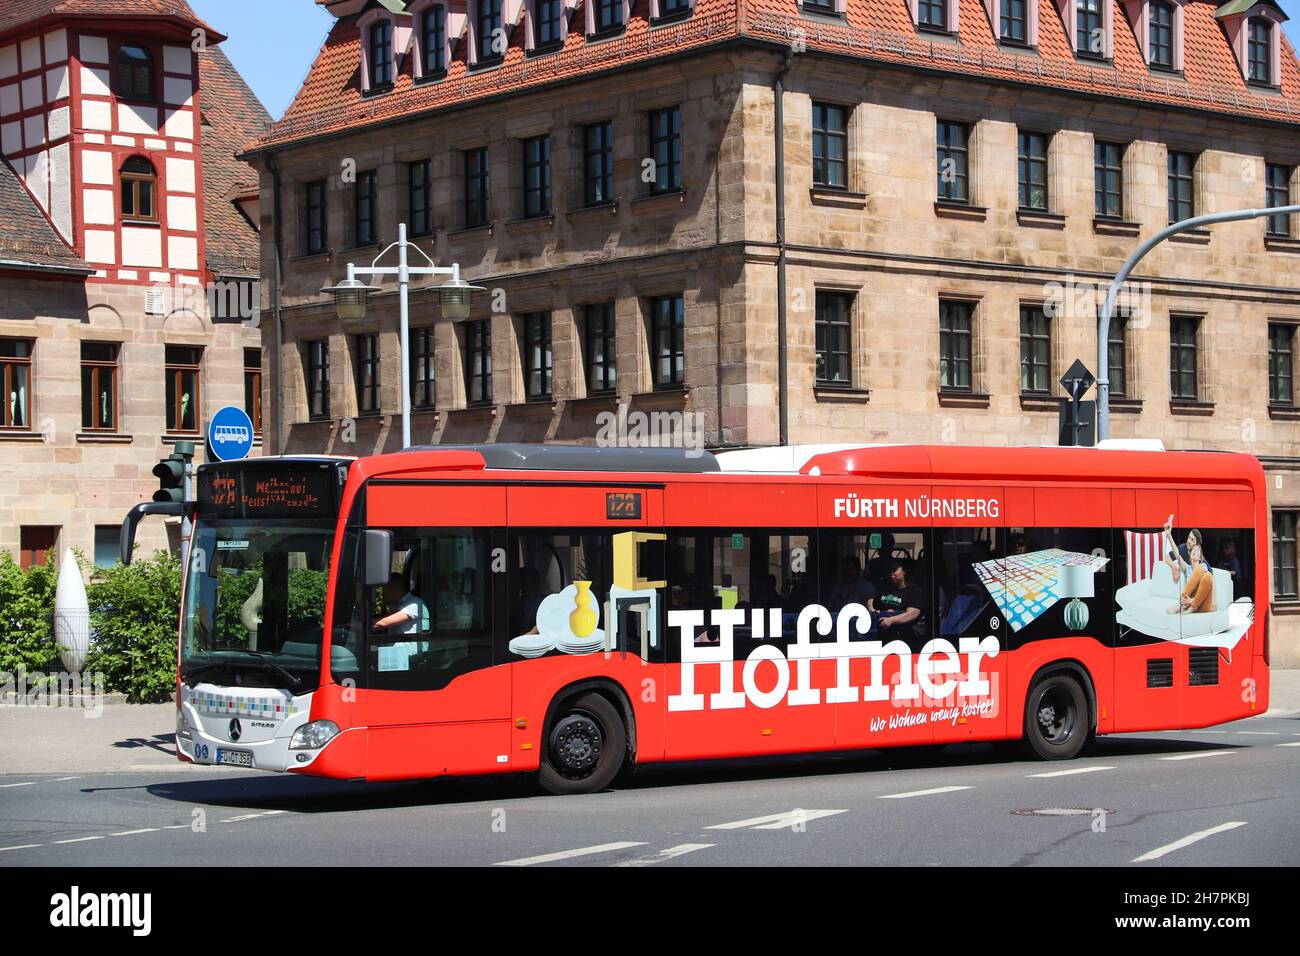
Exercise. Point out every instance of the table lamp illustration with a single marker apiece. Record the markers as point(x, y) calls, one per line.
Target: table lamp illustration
point(1075, 581)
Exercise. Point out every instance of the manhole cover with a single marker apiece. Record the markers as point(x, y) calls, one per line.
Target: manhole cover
point(1061, 811)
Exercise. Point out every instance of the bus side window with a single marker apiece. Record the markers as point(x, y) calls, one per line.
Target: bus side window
point(433, 619)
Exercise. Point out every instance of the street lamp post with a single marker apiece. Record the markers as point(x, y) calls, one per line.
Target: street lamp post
point(1103, 321)
point(351, 296)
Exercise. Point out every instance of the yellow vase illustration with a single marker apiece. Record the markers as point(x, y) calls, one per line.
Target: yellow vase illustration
point(583, 619)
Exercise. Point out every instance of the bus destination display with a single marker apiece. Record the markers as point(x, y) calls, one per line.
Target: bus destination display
point(265, 493)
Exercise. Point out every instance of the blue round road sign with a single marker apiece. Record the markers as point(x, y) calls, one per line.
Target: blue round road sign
point(230, 434)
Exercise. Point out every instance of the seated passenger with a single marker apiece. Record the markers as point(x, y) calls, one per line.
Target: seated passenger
point(902, 607)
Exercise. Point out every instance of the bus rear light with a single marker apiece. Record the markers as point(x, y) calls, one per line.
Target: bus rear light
point(314, 735)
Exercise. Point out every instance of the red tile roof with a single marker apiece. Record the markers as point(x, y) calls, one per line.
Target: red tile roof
point(26, 237)
point(232, 115)
point(330, 98)
point(15, 14)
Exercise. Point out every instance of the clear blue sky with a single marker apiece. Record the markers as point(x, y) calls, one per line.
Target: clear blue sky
point(273, 42)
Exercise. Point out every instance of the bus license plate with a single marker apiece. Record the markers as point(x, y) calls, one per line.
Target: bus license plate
point(236, 758)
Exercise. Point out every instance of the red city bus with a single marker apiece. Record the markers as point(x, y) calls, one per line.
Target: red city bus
point(572, 611)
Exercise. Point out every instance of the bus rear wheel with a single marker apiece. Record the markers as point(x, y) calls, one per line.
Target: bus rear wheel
point(1056, 718)
point(585, 747)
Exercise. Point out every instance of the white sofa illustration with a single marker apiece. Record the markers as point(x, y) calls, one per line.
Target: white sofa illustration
point(1144, 606)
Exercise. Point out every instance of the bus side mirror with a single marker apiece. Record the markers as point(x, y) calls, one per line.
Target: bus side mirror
point(378, 557)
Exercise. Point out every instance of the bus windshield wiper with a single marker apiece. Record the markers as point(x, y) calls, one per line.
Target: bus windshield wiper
point(264, 658)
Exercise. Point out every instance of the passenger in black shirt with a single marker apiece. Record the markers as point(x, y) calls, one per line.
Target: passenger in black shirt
point(903, 605)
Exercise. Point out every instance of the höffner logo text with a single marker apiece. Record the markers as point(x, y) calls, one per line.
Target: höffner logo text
point(856, 507)
point(77, 909)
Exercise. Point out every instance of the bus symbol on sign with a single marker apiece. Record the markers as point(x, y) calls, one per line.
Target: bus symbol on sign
point(230, 434)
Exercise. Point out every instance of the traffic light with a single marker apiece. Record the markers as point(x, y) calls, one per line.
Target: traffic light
point(170, 473)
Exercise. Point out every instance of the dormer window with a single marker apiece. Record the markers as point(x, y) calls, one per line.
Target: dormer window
point(550, 22)
point(1254, 29)
point(489, 35)
point(609, 15)
point(433, 41)
point(381, 55)
point(1160, 34)
point(1089, 32)
point(1015, 21)
point(932, 15)
point(1259, 51)
point(134, 73)
point(669, 9)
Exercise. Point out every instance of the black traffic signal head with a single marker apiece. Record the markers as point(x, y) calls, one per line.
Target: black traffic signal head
point(170, 473)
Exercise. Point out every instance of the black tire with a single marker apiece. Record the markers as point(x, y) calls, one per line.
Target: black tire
point(1057, 722)
point(584, 748)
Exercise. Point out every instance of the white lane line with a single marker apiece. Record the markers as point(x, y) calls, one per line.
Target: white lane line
point(568, 854)
point(79, 840)
point(134, 832)
point(6, 786)
point(177, 826)
point(797, 818)
point(1069, 773)
point(776, 821)
point(920, 793)
point(1294, 743)
point(668, 854)
point(1260, 733)
point(1158, 852)
point(25, 846)
point(253, 816)
point(1203, 753)
point(60, 779)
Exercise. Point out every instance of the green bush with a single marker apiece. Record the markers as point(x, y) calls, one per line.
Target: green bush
point(135, 613)
point(26, 615)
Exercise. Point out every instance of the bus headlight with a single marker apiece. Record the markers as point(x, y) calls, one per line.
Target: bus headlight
point(313, 736)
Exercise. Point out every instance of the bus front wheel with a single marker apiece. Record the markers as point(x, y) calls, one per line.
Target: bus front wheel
point(585, 747)
point(1056, 718)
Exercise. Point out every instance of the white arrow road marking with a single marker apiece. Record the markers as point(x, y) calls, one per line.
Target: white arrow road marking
point(777, 821)
point(1203, 753)
point(568, 854)
point(1069, 773)
point(1158, 852)
point(668, 854)
point(920, 793)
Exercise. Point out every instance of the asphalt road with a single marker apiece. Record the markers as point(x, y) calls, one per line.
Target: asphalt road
point(1227, 796)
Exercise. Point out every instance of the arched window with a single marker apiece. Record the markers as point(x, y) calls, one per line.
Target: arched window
point(381, 55)
point(134, 73)
point(139, 190)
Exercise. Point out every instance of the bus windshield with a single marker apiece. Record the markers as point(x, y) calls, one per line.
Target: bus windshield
point(254, 604)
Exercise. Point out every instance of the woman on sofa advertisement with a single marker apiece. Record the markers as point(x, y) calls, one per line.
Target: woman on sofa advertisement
point(1174, 594)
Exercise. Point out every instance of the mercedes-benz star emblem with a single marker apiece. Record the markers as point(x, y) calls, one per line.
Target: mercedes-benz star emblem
point(235, 729)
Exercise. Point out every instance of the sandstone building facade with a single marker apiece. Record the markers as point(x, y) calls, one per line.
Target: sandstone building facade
point(919, 249)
